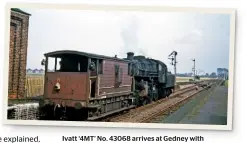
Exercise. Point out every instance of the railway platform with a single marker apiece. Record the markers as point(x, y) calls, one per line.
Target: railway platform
point(209, 107)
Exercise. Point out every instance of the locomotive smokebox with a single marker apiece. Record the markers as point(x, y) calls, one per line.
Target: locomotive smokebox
point(130, 55)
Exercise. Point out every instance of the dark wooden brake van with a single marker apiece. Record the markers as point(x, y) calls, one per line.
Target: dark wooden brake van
point(84, 86)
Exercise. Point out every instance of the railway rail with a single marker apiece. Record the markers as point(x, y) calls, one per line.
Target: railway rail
point(146, 114)
point(134, 112)
point(184, 112)
point(177, 101)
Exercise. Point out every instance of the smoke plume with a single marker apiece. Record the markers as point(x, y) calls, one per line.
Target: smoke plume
point(130, 36)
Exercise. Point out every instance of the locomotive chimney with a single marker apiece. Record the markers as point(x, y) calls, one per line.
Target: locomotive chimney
point(130, 55)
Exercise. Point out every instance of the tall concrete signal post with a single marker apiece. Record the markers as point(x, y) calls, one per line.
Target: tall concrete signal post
point(194, 68)
point(174, 62)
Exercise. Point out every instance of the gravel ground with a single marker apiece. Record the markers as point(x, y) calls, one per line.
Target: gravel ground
point(138, 114)
point(209, 107)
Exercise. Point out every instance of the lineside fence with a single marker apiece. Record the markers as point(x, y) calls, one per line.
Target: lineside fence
point(34, 85)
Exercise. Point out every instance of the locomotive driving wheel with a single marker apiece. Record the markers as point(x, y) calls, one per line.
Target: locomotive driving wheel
point(155, 97)
point(169, 92)
point(144, 101)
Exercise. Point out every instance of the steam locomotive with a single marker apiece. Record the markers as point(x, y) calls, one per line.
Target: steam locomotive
point(86, 86)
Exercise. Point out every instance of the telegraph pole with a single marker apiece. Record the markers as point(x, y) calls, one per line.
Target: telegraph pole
point(174, 62)
point(194, 68)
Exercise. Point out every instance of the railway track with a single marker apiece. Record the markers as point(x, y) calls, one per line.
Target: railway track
point(146, 114)
point(121, 117)
point(189, 108)
point(176, 102)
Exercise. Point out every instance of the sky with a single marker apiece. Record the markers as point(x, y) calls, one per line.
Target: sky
point(204, 37)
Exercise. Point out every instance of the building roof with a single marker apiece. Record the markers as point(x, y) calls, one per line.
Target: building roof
point(20, 11)
point(71, 52)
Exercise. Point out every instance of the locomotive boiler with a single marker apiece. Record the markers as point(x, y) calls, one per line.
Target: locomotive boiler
point(151, 79)
point(86, 86)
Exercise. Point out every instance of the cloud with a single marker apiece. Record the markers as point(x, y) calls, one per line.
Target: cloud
point(154, 35)
point(194, 37)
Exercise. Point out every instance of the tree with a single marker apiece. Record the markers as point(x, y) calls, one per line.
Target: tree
point(213, 74)
point(197, 77)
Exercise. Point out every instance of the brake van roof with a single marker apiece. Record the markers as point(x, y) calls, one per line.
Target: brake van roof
point(73, 52)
